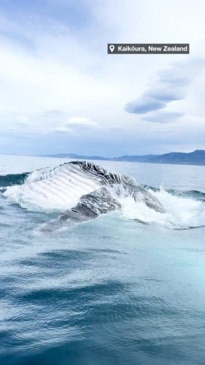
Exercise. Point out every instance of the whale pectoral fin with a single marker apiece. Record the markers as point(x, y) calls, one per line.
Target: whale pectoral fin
point(90, 206)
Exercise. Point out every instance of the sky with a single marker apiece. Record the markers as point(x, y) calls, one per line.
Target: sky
point(60, 92)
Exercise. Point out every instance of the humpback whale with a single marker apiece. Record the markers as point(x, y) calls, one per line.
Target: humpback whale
point(102, 190)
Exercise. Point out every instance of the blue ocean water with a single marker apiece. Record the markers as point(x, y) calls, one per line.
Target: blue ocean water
point(110, 290)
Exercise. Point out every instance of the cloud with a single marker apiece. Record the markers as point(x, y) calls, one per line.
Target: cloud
point(80, 121)
point(165, 93)
point(76, 125)
point(144, 105)
point(171, 85)
point(162, 117)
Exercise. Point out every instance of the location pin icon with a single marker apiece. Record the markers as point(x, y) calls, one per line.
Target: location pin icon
point(112, 47)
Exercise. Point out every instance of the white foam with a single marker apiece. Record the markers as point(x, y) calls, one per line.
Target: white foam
point(186, 211)
point(141, 212)
point(180, 212)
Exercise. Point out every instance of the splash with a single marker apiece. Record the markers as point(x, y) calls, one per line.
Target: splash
point(60, 189)
point(181, 212)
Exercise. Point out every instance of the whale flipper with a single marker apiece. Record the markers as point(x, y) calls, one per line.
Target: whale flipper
point(90, 206)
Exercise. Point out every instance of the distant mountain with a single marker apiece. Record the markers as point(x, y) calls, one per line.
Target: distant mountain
point(121, 158)
point(192, 158)
point(143, 158)
point(79, 157)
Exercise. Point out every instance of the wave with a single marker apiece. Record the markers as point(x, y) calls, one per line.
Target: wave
point(13, 179)
point(194, 194)
point(71, 188)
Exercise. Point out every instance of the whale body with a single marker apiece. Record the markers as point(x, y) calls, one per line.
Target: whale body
point(104, 189)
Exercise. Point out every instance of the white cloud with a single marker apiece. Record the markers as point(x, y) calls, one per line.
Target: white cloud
point(76, 124)
point(80, 121)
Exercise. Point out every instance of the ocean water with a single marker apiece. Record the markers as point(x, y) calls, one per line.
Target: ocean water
point(108, 291)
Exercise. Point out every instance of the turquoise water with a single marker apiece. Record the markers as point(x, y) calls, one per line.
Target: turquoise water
point(111, 290)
